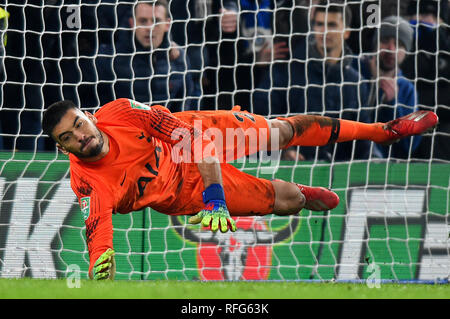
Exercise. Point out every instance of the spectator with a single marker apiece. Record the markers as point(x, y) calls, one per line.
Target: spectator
point(36, 73)
point(111, 18)
point(429, 67)
point(292, 17)
point(199, 25)
point(234, 53)
point(391, 95)
point(318, 79)
point(256, 45)
point(148, 66)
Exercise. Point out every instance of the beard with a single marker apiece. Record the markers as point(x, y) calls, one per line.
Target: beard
point(94, 151)
point(386, 67)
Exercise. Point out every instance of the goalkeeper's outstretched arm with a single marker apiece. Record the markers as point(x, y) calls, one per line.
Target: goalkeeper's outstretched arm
point(96, 204)
point(215, 214)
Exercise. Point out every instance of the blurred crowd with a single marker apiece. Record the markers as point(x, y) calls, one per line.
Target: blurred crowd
point(369, 61)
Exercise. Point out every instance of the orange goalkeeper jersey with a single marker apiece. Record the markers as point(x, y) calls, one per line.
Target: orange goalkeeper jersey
point(140, 171)
point(136, 172)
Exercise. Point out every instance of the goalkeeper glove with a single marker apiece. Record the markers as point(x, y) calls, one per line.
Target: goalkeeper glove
point(215, 212)
point(105, 266)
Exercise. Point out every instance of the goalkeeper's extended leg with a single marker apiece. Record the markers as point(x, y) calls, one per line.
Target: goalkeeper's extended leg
point(290, 198)
point(315, 130)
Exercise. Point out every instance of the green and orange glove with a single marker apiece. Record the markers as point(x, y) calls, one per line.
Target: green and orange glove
point(215, 214)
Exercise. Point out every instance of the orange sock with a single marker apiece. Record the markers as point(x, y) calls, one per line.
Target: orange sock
point(352, 130)
point(314, 130)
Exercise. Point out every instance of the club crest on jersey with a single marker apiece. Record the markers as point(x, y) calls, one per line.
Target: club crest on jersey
point(85, 204)
point(138, 105)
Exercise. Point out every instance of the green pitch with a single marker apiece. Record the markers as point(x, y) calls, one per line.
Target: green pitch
point(58, 289)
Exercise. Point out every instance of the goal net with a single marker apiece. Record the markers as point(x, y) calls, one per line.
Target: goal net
point(345, 59)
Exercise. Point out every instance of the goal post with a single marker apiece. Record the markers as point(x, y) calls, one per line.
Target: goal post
point(392, 222)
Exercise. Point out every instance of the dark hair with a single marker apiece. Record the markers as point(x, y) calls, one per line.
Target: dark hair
point(425, 7)
point(337, 6)
point(162, 3)
point(54, 113)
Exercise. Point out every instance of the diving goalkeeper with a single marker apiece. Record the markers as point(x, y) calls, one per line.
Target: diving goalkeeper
point(128, 156)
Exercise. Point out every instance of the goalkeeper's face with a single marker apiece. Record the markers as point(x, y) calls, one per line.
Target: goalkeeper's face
point(78, 134)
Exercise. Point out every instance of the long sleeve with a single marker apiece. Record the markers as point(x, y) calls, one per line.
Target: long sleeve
point(158, 122)
point(96, 204)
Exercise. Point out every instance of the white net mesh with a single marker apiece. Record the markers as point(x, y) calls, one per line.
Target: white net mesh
point(275, 58)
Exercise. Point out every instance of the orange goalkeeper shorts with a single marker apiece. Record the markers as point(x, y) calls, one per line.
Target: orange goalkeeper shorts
point(245, 194)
